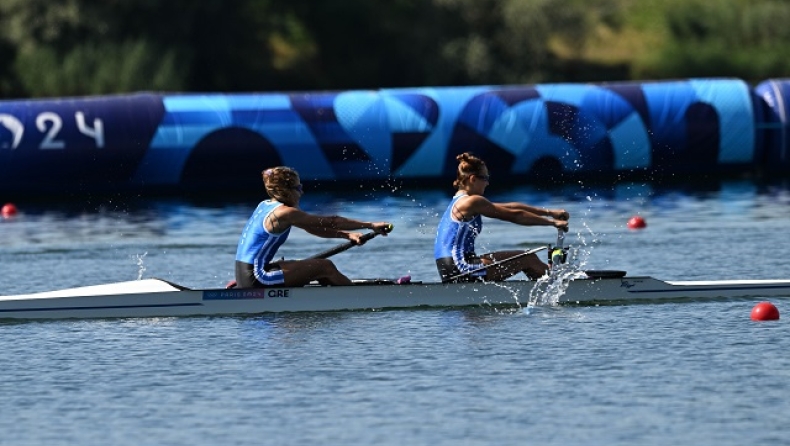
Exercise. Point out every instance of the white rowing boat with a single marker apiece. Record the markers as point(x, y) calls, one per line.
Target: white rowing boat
point(159, 298)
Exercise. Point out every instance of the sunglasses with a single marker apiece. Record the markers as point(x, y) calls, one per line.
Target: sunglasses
point(298, 188)
point(483, 177)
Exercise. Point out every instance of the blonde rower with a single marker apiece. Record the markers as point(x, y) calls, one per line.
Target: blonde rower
point(269, 226)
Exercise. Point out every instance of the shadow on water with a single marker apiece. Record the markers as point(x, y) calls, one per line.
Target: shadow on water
point(318, 195)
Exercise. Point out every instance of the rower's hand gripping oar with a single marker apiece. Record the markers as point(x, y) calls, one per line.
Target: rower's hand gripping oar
point(346, 246)
point(499, 262)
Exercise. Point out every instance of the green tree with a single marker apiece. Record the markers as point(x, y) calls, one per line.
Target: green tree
point(363, 44)
point(511, 41)
point(80, 47)
point(739, 38)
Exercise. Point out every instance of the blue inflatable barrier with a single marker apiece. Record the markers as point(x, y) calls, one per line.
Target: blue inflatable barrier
point(75, 145)
point(775, 125)
point(221, 142)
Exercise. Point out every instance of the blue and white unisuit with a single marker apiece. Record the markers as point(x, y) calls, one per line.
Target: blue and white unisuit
point(257, 248)
point(454, 249)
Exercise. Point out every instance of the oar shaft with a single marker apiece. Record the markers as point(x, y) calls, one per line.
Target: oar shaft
point(499, 262)
point(559, 253)
point(345, 246)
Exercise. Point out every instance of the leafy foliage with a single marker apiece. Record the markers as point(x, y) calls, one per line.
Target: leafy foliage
point(82, 47)
point(737, 38)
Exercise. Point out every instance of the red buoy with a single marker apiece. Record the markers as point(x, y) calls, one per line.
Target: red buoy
point(637, 222)
point(765, 311)
point(8, 210)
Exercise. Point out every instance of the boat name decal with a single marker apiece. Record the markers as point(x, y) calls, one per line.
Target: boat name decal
point(626, 284)
point(248, 294)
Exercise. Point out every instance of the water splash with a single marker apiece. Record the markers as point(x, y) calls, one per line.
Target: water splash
point(139, 259)
point(552, 286)
point(513, 292)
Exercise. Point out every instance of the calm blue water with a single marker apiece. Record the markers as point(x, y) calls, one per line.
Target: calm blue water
point(693, 373)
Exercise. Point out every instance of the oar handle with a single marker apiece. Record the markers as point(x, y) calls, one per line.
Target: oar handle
point(346, 246)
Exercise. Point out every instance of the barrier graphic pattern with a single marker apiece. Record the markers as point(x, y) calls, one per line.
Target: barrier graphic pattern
point(542, 132)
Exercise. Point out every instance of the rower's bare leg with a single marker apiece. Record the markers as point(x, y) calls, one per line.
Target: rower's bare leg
point(530, 265)
point(302, 272)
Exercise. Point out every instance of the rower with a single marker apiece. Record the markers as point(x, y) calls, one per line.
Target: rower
point(454, 249)
point(269, 227)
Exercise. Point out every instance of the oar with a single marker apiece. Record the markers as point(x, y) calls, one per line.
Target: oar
point(345, 246)
point(559, 253)
point(499, 262)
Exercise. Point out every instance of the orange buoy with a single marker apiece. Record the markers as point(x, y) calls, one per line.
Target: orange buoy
point(637, 222)
point(765, 311)
point(8, 210)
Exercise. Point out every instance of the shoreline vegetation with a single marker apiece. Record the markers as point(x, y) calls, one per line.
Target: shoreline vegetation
point(80, 47)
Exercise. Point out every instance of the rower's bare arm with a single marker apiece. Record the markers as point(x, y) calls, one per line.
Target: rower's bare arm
point(557, 214)
point(481, 205)
point(328, 232)
point(333, 226)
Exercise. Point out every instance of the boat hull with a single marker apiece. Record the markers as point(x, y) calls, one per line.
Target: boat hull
point(159, 298)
